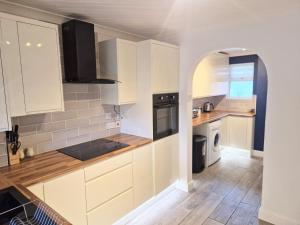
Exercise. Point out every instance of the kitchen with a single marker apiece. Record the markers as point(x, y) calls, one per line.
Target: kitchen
point(226, 102)
point(80, 154)
point(93, 122)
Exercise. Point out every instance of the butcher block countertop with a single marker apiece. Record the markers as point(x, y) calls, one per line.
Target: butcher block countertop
point(216, 115)
point(53, 164)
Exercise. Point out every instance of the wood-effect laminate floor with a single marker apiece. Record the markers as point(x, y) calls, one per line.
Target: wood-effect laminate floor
point(228, 192)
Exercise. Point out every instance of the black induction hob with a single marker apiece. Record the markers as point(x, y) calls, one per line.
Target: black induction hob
point(92, 149)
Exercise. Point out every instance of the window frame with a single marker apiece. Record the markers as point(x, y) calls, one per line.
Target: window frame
point(231, 79)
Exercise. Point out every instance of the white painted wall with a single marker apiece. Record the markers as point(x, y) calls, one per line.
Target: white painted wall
point(277, 41)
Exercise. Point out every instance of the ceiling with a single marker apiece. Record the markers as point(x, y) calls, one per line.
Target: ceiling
point(164, 18)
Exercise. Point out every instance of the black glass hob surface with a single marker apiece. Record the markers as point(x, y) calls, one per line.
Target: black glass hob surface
point(92, 149)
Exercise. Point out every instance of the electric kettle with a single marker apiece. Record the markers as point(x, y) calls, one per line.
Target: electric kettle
point(208, 107)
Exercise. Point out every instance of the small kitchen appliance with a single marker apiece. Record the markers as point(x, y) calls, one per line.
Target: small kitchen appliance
point(208, 107)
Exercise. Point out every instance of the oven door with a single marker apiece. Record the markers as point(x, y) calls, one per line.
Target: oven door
point(165, 120)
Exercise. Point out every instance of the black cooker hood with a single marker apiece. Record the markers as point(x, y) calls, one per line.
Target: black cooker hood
point(79, 53)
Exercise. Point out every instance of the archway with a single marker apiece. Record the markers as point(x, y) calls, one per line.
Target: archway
point(186, 177)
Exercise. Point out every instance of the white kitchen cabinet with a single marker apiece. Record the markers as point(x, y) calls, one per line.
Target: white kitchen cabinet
point(143, 174)
point(211, 77)
point(66, 195)
point(31, 65)
point(38, 190)
point(113, 210)
point(165, 68)
point(4, 119)
point(240, 132)
point(165, 162)
point(118, 61)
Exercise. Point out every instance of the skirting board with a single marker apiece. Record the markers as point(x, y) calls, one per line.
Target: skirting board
point(257, 154)
point(274, 218)
point(140, 209)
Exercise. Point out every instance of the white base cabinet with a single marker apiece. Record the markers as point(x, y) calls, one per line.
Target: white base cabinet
point(66, 195)
point(105, 191)
point(165, 162)
point(237, 132)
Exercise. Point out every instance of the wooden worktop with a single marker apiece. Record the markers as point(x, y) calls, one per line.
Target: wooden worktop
point(52, 164)
point(216, 115)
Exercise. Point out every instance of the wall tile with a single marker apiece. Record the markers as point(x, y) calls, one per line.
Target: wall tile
point(75, 123)
point(91, 128)
point(33, 119)
point(3, 150)
point(75, 88)
point(64, 134)
point(3, 161)
point(50, 127)
point(88, 96)
point(27, 130)
point(78, 139)
point(58, 116)
point(35, 139)
point(89, 113)
point(75, 105)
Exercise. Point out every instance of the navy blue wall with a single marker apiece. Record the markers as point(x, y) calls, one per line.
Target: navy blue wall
point(260, 89)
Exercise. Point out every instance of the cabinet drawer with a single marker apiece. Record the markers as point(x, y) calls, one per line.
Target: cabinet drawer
point(106, 166)
point(108, 186)
point(113, 210)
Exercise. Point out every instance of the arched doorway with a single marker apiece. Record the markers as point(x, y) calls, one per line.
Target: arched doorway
point(259, 84)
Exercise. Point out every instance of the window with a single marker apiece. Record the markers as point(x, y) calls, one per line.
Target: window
point(241, 80)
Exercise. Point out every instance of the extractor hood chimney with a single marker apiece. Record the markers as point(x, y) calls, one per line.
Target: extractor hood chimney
point(79, 53)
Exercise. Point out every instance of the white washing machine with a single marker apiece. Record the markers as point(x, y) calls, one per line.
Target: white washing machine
point(213, 133)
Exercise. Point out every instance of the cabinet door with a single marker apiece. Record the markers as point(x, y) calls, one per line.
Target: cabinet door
point(12, 67)
point(240, 132)
point(127, 74)
point(66, 195)
point(4, 125)
point(143, 174)
point(165, 69)
point(165, 161)
point(40, 62)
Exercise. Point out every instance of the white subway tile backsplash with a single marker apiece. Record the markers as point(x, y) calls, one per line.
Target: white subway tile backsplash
point(3, 150)
point(88, 96)
point(27, 130)
point(75, 105)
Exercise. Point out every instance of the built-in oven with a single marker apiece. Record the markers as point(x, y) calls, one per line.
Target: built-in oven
point(165, 115)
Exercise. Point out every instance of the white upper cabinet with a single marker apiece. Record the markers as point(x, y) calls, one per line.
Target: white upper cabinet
point(211, 77)
point(165, 68)
point(40, 68)
point(118, 61)
point(4, 120)
point(31, 65)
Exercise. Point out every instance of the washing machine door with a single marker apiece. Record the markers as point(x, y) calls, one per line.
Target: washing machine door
point(215, 150)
